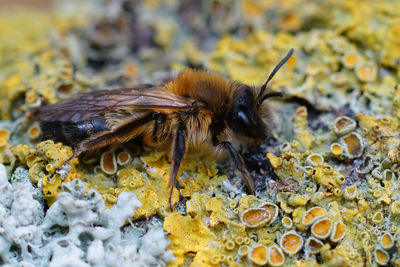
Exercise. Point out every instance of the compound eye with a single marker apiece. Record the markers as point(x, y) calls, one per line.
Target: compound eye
point(243, 118)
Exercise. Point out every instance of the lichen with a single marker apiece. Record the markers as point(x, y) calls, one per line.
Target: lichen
point(335, 146)
point(77, 216)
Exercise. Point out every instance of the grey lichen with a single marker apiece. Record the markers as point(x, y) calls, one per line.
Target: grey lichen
point(77, 230)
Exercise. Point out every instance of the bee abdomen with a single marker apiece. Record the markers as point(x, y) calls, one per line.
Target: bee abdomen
point(71, 133)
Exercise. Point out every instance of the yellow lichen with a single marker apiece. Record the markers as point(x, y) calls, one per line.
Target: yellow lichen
point(43, 163)
point(298, 200)
point(326, 176)
point(218, 211)
point(154, 197)
point(350, 192)
point(335, 68)
point(187, 235)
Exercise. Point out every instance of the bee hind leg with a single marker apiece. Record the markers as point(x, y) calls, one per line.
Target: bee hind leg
point(83, 146)
point(65, 167)
point(177, 154)
point(239, 164)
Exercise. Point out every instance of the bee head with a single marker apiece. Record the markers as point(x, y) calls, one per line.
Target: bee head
point(249, 117)
point(244, 119)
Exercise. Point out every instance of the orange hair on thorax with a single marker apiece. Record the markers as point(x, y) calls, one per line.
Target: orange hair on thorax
point(208, 87)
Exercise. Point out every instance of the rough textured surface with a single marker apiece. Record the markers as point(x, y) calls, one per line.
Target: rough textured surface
point(335, 147)
point(77, 230)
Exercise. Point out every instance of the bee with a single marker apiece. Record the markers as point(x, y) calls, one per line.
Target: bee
point(197, 106)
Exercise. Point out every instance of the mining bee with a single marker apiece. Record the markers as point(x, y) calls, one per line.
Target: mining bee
point(197, 106)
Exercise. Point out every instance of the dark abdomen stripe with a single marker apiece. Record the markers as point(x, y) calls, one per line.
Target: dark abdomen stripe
point(71, 133)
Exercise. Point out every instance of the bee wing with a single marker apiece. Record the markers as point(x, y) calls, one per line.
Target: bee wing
point(87, 105)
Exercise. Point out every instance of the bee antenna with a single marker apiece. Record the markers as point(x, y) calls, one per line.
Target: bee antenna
point(273, 94)
point(283, 61)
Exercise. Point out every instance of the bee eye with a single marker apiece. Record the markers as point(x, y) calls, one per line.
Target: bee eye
point(243, 117)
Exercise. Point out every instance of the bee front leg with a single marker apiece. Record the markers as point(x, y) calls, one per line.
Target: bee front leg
point(239, 164)
point(177, 153)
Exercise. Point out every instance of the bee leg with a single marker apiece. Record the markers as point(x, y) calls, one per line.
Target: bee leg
point(89, 145)
point(177, 153)
point(75, 155)
point(239, 164)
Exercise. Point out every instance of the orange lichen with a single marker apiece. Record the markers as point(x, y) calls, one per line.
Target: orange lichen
point(350, 192)
point(313, 245)
point(230, 245)
point(290, 22)
point(123, 158)
point(381, 256)
point(336, 149)
point(255, 217)
point(97, 170)
point(275, 256)
point(350, 60)
point(353, 145)
point(273, 210)
point(216, 259)
point(34, 132)
point(378, 217)
point(291, 242)
point(258, 255)
point(387, 241)
point(131, 69)
point(388, 175)
point(243, 250)
point(4, 136)
point(366, 72)
point(108, 163)
point(315, 160)
point(344, 125)
point(239, 240)
point(287, 223)
point(338, 232)
point(321, 228)
point(313, 214)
